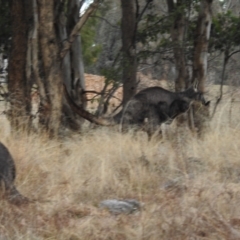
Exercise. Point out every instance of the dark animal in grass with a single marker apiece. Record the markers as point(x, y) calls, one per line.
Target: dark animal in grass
point(161, 113)
point(152, 96)
point(156, 104)
point(7, 177)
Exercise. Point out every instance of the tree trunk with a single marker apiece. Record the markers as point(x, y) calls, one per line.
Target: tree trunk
point(69, 118)
point(128, 26)
point(36, 56)
point(72, 59)
point(178, 36)
point(50, 112)
point(62, 35)
point(77, 66)
point(17, 85)
point(201, 114)
point(35, 60)
point(178, 30)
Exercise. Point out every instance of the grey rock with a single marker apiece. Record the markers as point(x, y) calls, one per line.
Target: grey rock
point(121, 206)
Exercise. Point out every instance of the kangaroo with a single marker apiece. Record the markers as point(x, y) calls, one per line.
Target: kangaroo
point(156, 104)
point(8, 175)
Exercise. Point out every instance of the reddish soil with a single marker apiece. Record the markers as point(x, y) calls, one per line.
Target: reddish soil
point(96, 83)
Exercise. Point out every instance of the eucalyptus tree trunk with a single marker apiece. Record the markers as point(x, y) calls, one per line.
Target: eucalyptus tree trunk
point(61, 21)
point(46, 49)
point(60, 51)
point(34, 55)
point(201, 40)
point(76, 47)
point(177, 13)
point(128, 27)
point(178, 30)
point(51, 110)
point(69, 24)
point(77, 86)
point(69, 118)
point(17, 81)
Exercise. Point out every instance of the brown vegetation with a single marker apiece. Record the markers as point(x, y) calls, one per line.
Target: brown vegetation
point(189, 187)
point(95, 83)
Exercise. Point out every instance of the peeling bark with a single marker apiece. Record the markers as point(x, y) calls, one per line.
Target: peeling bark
point(35, 60)
point(39, 29)
point(178, 30)
point(178, 36)
point(17, 85)
point(50, 114)
point(201, 44)
point(77, 66)
point(77, 28)
point(201, 116)
point(68, 116)
point(76, 81)
point(128, 27)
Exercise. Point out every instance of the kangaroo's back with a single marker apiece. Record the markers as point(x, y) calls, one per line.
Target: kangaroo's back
point(153, 95)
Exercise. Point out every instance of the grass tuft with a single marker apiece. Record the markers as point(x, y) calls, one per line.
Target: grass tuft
point(189, 187)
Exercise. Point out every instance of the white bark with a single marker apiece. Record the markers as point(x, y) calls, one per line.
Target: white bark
point(77, 62)
point(201, 43)
point(35, 62)
point(78, 27)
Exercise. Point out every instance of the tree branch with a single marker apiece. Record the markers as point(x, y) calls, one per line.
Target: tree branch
point(171, 6)
point(77, 28)
point(226, 58)
point(139, 17)
point(232, 53)
point(104, 19)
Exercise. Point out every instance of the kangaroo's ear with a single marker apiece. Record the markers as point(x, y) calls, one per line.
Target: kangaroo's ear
point(195, 85)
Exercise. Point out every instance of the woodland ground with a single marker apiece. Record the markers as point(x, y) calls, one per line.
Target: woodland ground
point(190, 187)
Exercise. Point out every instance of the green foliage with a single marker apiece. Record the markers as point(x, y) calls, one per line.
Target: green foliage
point(112, 75)
point(152, 26)
point(90, 48)
point(225, 34)
point(154, 29)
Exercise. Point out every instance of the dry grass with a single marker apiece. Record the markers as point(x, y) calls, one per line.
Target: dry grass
point(190, 187)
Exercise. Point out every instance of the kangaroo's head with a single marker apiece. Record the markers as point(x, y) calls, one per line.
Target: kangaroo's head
point(194, 94)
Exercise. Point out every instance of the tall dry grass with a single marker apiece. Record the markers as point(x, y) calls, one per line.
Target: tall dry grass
point(190, 187)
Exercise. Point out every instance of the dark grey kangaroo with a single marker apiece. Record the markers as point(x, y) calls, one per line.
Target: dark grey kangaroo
point(161, 113)
point(8, 175)
point(157, 105)
point(154, 104)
